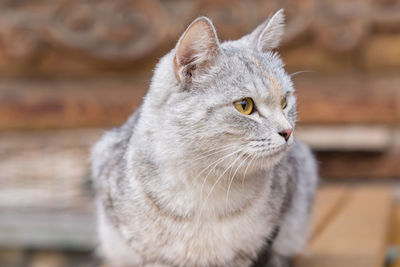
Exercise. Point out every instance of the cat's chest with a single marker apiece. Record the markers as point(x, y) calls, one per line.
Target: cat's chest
point(225, 241)
point(212, 242)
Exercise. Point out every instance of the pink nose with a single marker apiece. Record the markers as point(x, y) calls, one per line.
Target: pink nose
point(286, 133)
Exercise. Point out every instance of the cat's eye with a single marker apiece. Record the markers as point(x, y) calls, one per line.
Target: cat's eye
point(244, 106)
point(284, 102)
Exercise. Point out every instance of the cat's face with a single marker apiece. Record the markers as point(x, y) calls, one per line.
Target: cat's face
point(231, 105)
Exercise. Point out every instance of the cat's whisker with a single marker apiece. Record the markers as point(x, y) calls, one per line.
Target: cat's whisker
point(233, 176)
point(230, 184)
point(218, 179)
point(216, 162)
point(245, 171)
point(213, 149)
point(205, 155)
point(209, 153)
point(299, 72)
point(241, 154)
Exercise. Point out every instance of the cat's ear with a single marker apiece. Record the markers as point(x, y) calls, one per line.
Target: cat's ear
point(268, 34)
point(196, 49)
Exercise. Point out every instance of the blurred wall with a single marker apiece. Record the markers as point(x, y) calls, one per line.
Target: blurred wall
point(69, 69)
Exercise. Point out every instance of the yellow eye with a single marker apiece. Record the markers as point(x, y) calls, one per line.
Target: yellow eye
point(244, 106)
point(284, 102)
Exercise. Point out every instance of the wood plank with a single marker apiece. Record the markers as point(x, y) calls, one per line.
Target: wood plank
point(348, 98)
point(33, 104)
point(370, 138)
point(45, 196)
point(48, 259)
point(46, 170)
point(26, 104)
point(12, 257)
point(395, 235)
point(372, 163)
point(48, 230)
point(382, 52)
point(328, 201)
point(359, 165)
point(395, 229)
point(356, 236)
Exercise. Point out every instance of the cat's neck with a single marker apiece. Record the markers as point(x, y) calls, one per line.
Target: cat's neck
point(182, 192)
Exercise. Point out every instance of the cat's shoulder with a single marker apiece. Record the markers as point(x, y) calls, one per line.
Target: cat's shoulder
point(113, 143)
point(302, 161)
point(299, 160)
point(300, 151)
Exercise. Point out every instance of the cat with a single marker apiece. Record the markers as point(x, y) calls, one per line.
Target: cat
point(207, 171)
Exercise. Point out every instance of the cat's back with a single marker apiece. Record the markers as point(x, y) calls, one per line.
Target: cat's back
point(108, 153)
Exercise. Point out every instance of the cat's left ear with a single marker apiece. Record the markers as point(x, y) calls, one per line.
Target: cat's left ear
point(268, 34)
point(196, 49)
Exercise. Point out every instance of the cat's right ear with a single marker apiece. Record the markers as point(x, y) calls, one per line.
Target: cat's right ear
point(196, 49)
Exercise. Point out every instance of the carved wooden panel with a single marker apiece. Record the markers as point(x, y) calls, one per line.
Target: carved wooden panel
point(79, 36)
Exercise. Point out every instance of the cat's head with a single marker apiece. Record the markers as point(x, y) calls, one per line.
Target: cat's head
point(230, 101)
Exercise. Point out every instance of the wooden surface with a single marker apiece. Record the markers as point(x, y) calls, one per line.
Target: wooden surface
point(394, 237)
point(327, 203)
point(46, 170)
point(351, 230)
point(52, 230)
point(347, 138)
point(47, 258)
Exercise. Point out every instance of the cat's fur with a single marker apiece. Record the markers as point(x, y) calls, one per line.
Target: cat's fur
point(190, 181)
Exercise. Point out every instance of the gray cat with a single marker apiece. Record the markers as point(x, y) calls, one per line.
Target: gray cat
point(207, 172)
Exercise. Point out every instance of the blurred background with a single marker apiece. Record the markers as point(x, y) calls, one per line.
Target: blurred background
point(71, 69)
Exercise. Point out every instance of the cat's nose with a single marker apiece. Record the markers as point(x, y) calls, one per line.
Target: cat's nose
point(286, 133)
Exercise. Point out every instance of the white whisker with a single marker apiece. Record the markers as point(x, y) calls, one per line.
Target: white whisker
point(233, 176)
point(217, 181)
point(245, 171)
point(208, 153)
point(216, 162)
point(299, 72)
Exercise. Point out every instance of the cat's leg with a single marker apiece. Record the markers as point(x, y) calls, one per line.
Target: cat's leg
point(115, 250)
